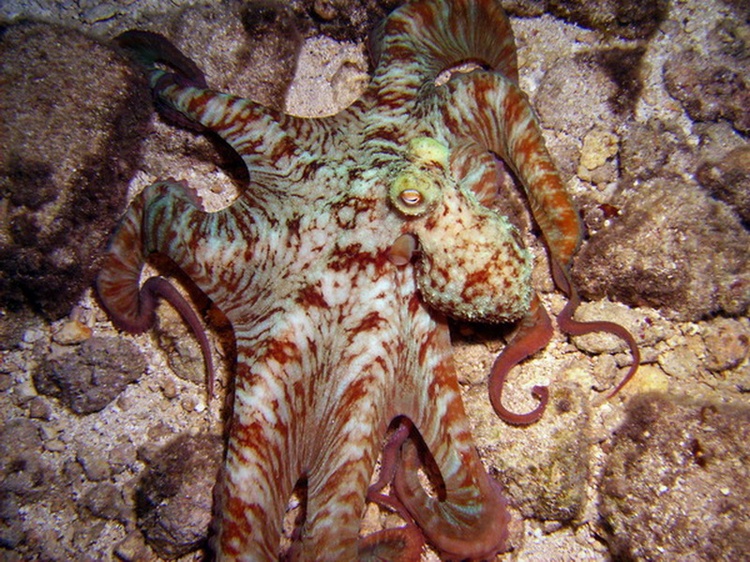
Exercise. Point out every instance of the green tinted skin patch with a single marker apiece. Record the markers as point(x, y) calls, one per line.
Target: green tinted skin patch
point(416, 191)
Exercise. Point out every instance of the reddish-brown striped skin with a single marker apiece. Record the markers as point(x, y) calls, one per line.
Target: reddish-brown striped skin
point(358, 235)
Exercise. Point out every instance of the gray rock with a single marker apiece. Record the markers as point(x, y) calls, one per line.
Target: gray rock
point(655, 253)
point(729, 180)
point(636, 19)
point(709, 89)
point(542, 467)
point(174, 496)
point(72, 114)
point(105, 501)
point(93, 376)
point(677, 483)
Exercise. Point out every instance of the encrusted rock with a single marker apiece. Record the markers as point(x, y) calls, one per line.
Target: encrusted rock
point(676, 484)
point(729, 180)
point(254, 47)
point(646, 148)
point(66, 156)
point(656, 253)
point(91, 377)
point(581, 79)
point(632, 20)
point(105, 501)
point(350, 20)
point(708, 89)
point(174, 497)
point(23, 471)
point(543, 467)
point(727, 343)
point(94, 463)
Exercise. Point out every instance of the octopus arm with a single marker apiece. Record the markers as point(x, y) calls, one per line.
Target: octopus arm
point(265, 138)
point(165, 218)
point(465, 517)
point(491, 110)
point(441, 34)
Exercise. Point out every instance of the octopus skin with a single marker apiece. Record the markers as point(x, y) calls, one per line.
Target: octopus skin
point(358, 236)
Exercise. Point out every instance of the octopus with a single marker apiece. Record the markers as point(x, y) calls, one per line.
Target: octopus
point(339, 266)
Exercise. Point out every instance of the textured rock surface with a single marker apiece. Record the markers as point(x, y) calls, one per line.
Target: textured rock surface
point(729, 180)
point(677, 483)
point(24, 476)
point(342, 19)
point(174, 496)
point(66, 157)
point(678, 274)
point(708, 91)
point(550, 485)
point(632, 20)
point(91, 377)
point(250, 50)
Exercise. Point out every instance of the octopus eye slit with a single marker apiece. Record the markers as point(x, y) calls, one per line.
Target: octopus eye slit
point(411, 197)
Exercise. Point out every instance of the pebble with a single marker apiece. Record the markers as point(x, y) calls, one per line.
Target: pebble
point(94, 463)
point(71, 332)
point(605, 371)
point(132, 548)
point(24, 392)
point(39, 408)
point(100, 12)
point(6, 381)
point(648, 378)
point(598, 147)
point(680, 362)
point(188, 404)
point(169, 389)
point(32, 335)
point(727, 344)
point(55, 446)
point(105, 500)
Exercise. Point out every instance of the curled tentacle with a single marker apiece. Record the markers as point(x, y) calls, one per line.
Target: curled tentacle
point(505, 124)
point(431, 37)
point(534, 333)
point(388, 466)
point(467, 518)
point(576, 328)
point(130, 305)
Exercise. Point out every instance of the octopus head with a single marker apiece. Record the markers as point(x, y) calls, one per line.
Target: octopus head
point(469, 261)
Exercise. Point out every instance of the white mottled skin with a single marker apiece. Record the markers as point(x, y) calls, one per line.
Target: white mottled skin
point(358, 235)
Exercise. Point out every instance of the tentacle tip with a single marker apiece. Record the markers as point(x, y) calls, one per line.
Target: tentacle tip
point(135, 327)
point(539, 392)
point(627, 378)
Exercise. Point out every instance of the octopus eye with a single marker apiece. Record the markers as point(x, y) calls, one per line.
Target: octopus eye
point(411, 197)
point(414, 193)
